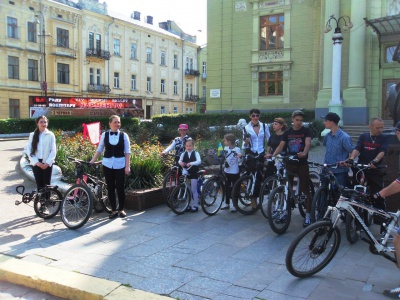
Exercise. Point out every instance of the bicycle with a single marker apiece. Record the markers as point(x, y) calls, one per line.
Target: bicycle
point(89, 192)
point(46, 201)
point(181, 195)
point(318, 243)
point(283, 198)
point(171, 180)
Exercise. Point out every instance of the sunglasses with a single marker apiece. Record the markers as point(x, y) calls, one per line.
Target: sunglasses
point(255, 115)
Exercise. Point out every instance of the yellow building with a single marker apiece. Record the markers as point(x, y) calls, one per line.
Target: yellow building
point(67, 49)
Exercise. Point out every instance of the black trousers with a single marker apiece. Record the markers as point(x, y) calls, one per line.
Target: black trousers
point(230, 181)
point(115, 179)
point(42, 177)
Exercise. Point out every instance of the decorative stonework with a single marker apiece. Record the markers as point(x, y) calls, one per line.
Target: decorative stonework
point(267, 4)
point(269, 55)
point(240, 6)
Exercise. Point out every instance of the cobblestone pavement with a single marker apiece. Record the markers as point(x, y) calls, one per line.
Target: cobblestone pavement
point(192, 256)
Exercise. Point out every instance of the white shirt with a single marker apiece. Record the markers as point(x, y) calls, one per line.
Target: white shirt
point(46, 148)
point(114, 162)
point(232, 160)
point(257, 142)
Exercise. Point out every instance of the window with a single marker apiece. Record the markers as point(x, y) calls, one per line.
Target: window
point(176, 61)
point(13, 106)
point(389, 51)
point(270, 83)
point(175, 109)
point(176, 87)
point(62, 73)
point(189, 63)
point(12, 28)
point(204, 67)
point(33, 70)
point(189, 110)
point(116, 80)
point(148, 51)
point(13, 67)
point(133, 82)
point(32, 32)
point(62, 38)
point(163, 58)
point(204, 92)
point(91, 40)
point(91, 76)
point(98, 76)
point(133, 51)
point(162, 110)
point(271, 32)
point(189, 90)
point(162, 85)
point(149, 84)
point(116, 47)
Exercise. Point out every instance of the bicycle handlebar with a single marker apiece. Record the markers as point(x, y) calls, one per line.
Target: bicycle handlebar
point(76, 160)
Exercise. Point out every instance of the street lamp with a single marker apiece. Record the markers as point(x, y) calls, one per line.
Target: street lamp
point(43, 35)
point(335, 105)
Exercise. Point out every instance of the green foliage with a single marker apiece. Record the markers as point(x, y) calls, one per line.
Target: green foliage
point(317, 126)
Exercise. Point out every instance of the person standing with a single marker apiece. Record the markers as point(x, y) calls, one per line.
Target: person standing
point(116, 163)
point(298, 142)
point(371, 148)
point(255, 135)
point(178, 144)
point(338, 148)
point(279, 126)
point(42, 152)
point(232, 155)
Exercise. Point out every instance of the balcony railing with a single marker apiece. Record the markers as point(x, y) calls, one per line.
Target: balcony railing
point(193, 98)
point(191, 72)
point(103, 54)
point(99, 88)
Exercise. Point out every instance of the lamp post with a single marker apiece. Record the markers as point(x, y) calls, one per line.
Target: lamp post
point(335, 105)
point(43, 35)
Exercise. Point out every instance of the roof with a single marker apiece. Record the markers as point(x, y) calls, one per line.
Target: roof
point(385, 26)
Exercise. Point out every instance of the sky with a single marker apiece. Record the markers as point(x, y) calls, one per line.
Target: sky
point(190, 15)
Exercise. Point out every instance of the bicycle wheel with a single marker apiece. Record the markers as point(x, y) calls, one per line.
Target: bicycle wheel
point(312, 249)
point(77, 206)
point(267, 186)
point(351, 227)
point(212, 195)
point(169, 183)
point(105, 202)
point(320, 203)
point(179, 199)
point(279, 211)
point(242, 195)
point(48, 204)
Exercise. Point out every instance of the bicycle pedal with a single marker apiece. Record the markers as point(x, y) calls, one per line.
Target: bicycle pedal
point(18, 202)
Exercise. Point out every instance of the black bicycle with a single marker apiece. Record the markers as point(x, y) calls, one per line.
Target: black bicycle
point(46, 201)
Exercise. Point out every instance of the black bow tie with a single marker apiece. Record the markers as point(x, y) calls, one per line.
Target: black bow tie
point(256, 125)
point(113, 133)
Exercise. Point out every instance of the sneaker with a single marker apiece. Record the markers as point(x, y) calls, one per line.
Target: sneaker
point(282, 218)
point(189, 208)
point(307, 221)
point(393, 293)
point(194, 209)
point(233, 210)
point(225, 207)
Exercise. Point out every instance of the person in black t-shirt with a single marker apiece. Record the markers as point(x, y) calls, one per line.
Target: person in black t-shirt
point(371, 148)
point(298, 142)
point(279, 126)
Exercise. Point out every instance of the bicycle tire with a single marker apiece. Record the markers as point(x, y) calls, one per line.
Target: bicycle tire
point(267, 186)
point(77, 206)
point(305, 253)
point(169, 183)
point(212, 195)
point(279, 210)
point(48, 208)
point(105, 202)
point(242, 195)
point(320, 202)
point(179, 199)
point(351, 227)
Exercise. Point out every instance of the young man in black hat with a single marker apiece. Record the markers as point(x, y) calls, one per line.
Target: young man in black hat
point(338, 147)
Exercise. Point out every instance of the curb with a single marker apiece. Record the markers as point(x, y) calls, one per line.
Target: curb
point(67, 284)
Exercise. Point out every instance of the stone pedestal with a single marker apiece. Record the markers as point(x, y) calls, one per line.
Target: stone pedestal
point(143, 199)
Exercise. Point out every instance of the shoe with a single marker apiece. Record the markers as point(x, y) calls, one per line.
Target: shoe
point(233, 210)
point(282, 219)
point(393, 293)
point(113, 215)
point(307, 222)
point(122, 214)
point(194, 209)
point(188, 209)
point(225, 207)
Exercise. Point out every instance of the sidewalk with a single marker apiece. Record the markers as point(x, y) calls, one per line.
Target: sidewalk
point(192, 256)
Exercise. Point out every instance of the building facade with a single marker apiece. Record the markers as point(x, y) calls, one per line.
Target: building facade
point(277, 55)
point(68, 49)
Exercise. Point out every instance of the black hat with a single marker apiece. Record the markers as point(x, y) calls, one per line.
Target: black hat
point(331, 116)
point(397, 128)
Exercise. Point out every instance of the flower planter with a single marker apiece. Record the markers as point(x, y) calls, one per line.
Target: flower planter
point(143, 199)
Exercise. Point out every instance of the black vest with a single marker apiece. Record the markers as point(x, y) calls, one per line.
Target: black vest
point(114, 150)
point(194, 169)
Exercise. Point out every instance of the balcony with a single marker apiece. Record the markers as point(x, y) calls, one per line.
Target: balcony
point(99, 88)
point(192, 98)
point(98, 53)
point(191, 72)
